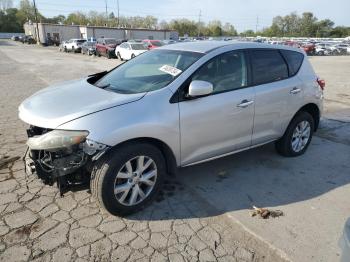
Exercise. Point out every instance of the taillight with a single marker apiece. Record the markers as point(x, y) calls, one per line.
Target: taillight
point(321, 83)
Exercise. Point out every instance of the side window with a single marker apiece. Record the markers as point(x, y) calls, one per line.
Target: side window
point(294, 61)
point(226, 72)
point(268, 66)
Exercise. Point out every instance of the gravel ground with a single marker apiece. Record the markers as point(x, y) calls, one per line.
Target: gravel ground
point(36, 224)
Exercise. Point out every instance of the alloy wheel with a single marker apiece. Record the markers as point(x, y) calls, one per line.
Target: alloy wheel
point(135, 180)
point(301, 136)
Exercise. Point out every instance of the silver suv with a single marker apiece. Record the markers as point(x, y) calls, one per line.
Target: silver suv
point(174, 106)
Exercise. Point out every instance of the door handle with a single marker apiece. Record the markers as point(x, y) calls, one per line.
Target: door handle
point(295, 90)
point(245, 103)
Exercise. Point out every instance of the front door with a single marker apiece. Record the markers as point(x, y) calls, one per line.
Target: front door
point(221, 122)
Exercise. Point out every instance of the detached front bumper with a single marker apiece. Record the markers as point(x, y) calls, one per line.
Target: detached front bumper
point(72, 164)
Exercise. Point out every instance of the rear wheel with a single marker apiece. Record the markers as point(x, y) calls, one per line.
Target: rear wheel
point(132, 56)
point(98, 53)
point(129, 178)
point(109, 56)
point(297, 137)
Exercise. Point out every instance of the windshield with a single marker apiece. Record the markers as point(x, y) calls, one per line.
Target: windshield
point(157, 43)
point(150, 71)
point(111, 41)
point(138, 47)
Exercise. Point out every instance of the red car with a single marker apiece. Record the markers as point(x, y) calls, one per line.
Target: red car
point(151, 44)
point(106, 47)
point(309, 48)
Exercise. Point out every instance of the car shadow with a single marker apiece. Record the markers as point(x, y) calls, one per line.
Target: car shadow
point(257, 177)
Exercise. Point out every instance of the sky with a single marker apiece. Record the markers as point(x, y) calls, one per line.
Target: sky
point(243, 14)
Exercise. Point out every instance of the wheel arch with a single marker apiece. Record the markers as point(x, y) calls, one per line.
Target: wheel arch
point(314, 111)
point(167, 152)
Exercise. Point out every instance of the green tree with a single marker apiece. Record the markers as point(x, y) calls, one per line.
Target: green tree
point(8, 21)
point(229, 30)
point(248, 33)
point(77, 18)
point(184, 26)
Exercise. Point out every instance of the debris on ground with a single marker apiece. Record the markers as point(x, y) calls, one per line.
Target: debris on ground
point(266, 213)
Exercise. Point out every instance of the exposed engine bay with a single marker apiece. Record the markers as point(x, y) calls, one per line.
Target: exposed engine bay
point(67, 166)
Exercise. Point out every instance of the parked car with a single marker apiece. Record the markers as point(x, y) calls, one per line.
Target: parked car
point(151, 44)
point(169, 42)
point(28, 39)
point(127, 51)
point(106, 46)
point(175, 106)
point(74, 45)
point(61, 46)
point(309, 48)
point(88, 48)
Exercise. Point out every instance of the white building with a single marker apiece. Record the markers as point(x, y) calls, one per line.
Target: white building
point(65, 32)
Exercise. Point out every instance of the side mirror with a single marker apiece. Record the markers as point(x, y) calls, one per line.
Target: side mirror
point(199, 88)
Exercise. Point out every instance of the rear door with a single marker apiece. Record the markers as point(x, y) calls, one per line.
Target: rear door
point(221, 122)
point(278, 94)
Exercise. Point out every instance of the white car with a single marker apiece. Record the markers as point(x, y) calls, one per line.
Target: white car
point(127, 51)
point(74, 45)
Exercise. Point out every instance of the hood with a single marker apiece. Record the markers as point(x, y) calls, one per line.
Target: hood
point(58, 104)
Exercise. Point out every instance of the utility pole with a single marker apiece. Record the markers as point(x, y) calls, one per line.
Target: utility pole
point(106, 12)
point(199, 22)
point(257, 24)
point(36, 22)
point(118, 13)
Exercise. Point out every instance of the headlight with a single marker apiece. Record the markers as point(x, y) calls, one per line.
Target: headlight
point(57, 139)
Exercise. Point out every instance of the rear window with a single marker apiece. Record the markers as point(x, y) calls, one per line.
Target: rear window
point(268, 66)
point(294, 61)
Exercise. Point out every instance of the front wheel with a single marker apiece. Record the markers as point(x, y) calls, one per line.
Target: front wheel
point(128, 178)
point(119, 56)
point(297, 137)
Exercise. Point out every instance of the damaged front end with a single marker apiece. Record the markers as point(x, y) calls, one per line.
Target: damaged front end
point(62, 156)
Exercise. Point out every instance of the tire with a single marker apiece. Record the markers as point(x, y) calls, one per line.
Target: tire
point(73, 49)
point(65, 49)
point(109, 55)
point(284, 145)
point(105, 174)
point(132, 56)
point(118, 55)
point(98, 53)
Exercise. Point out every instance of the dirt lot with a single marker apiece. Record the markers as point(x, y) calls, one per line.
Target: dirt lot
point(203, 214)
